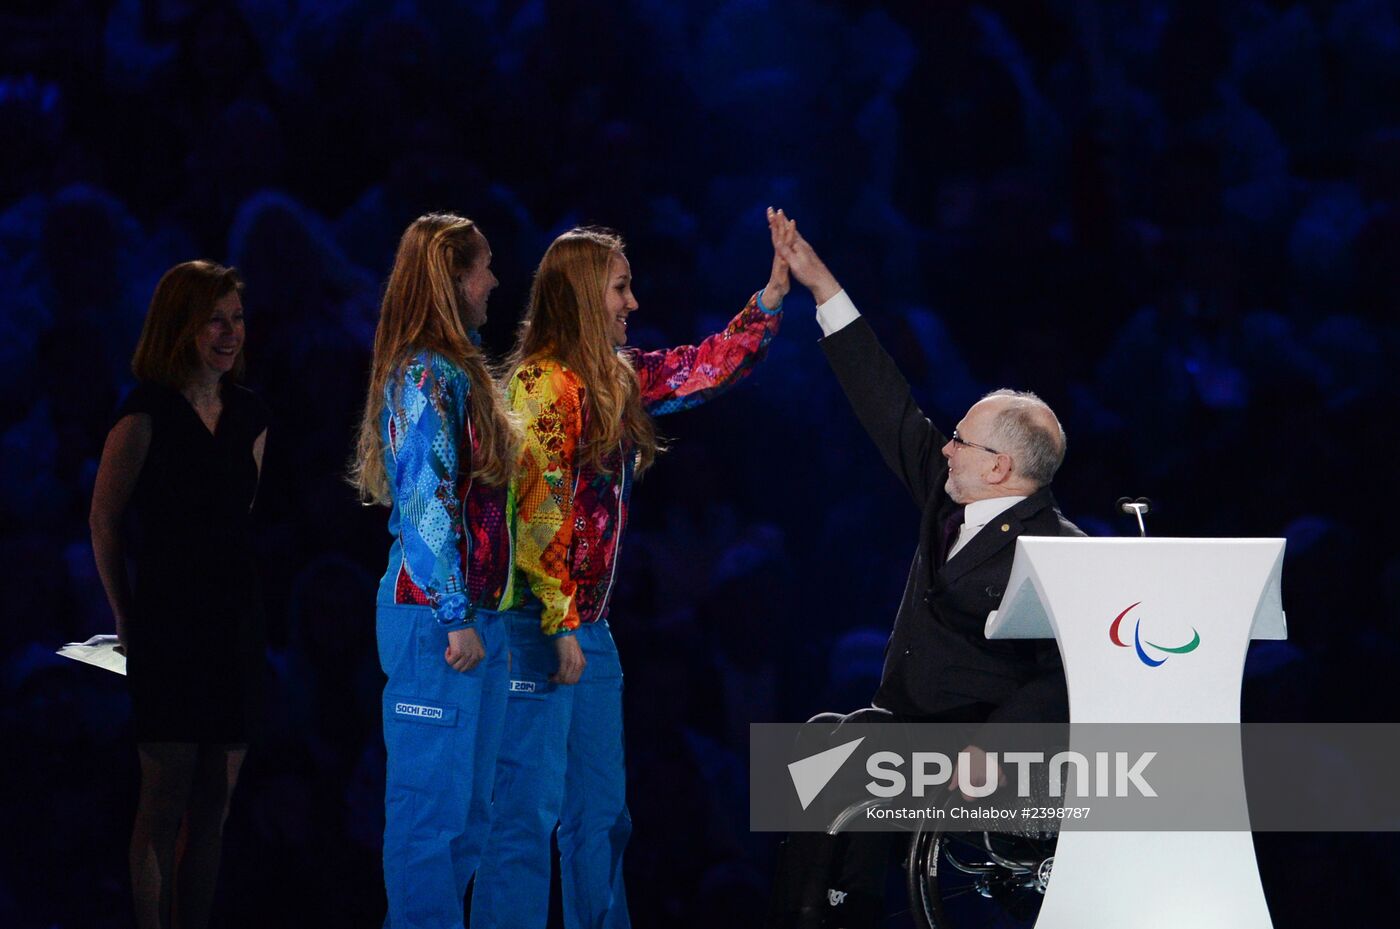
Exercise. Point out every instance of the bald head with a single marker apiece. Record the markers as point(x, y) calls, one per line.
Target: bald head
point(1024, 426)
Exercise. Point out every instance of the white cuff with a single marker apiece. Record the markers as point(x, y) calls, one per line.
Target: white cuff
point(836, 313)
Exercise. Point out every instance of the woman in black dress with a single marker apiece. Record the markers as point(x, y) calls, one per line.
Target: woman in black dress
point(182, 462)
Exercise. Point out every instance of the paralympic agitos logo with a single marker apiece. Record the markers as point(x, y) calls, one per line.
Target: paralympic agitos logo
point(1138, 643)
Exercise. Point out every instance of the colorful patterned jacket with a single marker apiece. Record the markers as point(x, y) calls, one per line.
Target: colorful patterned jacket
point(569, 518)
point(451, 548)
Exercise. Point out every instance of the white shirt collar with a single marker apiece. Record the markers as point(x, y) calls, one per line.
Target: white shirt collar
point(981, 512)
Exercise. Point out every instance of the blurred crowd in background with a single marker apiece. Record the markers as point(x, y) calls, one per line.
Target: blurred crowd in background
point(1179, 222)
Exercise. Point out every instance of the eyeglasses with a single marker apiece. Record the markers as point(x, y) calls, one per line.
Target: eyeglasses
point(963, 442)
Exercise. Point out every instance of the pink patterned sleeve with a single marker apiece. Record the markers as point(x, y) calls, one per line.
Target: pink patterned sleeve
point(681, 378)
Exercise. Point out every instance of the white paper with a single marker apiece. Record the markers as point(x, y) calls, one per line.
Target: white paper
point(100, 650)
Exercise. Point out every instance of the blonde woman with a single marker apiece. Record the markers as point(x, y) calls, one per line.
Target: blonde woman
point(587, 405)
point(437, 447)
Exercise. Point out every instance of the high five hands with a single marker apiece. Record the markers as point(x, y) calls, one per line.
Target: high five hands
point(778, 281)
point(798, 256)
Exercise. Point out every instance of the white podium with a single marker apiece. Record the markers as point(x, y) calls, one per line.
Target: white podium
point(1150, 631)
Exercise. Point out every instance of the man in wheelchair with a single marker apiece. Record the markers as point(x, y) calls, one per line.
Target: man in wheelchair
point(977, 489)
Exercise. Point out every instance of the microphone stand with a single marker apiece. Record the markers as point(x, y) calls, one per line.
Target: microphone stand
point(1139, 508)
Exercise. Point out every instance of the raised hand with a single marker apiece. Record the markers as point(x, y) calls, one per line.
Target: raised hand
point(779, 283)
point(801, 258)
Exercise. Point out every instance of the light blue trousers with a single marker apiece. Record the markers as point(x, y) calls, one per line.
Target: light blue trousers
point(561, 762)
point(442, 729)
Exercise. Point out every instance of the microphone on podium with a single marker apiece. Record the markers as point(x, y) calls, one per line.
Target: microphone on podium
point(1139, 507)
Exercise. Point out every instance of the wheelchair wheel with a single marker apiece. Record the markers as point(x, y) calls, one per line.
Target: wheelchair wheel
point(966, 880)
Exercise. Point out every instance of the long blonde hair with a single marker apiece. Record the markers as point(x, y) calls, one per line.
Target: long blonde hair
point(422, 311)
point(567, 319)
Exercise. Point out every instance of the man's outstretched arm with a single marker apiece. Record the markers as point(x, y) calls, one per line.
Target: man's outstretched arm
point(873, 384)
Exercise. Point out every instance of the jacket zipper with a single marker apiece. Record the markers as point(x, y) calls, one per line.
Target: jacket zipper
point(467, 561)
point(617, 538)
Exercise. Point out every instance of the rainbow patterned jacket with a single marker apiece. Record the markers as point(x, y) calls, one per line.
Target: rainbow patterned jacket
point(568, 518)
point(451, 548)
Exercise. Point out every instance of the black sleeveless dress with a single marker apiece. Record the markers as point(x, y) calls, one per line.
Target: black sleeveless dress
point(196, 663)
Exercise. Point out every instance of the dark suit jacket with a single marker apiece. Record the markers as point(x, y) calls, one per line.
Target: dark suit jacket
point(938, 657)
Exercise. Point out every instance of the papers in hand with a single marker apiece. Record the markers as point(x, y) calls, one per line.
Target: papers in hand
point(100, 650)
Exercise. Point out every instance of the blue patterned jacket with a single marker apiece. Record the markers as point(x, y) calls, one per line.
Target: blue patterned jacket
point(451, 548)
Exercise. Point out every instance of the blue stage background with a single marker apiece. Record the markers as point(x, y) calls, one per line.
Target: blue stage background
point(1179, 222)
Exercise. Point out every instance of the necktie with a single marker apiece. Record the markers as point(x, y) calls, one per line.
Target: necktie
point(951, 526)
